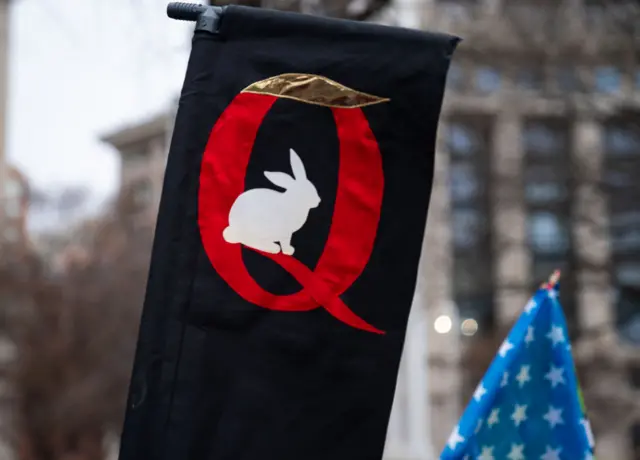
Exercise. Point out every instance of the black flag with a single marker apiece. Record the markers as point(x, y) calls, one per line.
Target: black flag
point(286, 251)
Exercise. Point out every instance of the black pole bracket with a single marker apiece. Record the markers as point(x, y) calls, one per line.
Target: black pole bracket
point(207, 18)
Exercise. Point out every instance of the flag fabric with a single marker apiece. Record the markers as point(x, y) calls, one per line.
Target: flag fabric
point(528, 405)
point(288, 238)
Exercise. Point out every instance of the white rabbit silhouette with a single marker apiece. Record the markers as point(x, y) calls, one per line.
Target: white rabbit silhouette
point(261, 218)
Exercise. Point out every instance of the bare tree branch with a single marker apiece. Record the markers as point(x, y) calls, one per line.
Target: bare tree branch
point(74, 334)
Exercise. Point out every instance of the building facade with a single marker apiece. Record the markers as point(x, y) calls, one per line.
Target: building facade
point(538, 148)
point(538, 141)
point(143, 149)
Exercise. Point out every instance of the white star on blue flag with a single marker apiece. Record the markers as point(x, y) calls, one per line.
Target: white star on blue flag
point(527, 406)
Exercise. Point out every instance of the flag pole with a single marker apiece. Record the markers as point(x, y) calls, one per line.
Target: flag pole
point(552, 281)
point(207, 18)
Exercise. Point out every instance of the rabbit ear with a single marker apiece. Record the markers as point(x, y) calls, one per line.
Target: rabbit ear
point(296, 165)
point(280, 179)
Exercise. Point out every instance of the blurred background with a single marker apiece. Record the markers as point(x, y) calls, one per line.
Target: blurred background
point(537, 168)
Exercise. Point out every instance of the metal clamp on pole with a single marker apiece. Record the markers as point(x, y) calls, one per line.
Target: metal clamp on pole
point(207, 18)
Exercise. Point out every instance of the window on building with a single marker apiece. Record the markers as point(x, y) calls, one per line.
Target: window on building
point(463, 182)
point(487, 79)
point(628, 273)
point(628, 314)
point(455, 77)
point(603, 14)
point(547, 192)
point(595, 12)
point(548, 233)
point(623, 140)
point(462, 140)
point(607, 80)
point(469, 148)
point(468, 226)
point(542, 139)
point(634, 375)
point(624, 230)
point(530, 78)
point(549, 239)
point(459, 10)
point(543, 184)
point(617, 179)
point(622, 167)
point(567, 80)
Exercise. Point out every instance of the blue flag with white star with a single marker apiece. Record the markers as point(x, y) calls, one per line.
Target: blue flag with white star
point(527, 406)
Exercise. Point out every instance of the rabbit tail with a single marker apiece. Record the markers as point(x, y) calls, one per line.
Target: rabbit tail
point(230, 236)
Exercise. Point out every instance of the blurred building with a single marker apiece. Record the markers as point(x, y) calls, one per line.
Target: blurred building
point(143, 149)
point(538, 151)
point(538, 146)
